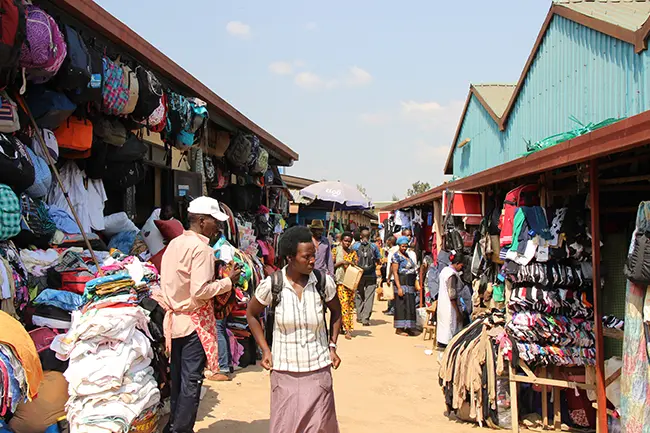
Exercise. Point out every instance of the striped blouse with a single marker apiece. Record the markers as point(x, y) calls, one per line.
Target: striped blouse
point(299, 336)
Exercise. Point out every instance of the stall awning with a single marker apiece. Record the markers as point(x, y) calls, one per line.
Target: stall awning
point(618, 137)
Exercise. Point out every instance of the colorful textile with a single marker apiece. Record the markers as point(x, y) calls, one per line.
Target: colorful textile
point(206, 327)
point(346, 297)
point(635, 377)
point(14, 335)
point(9, 213)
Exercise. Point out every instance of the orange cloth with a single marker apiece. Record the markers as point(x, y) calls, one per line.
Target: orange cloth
point(22, 344)
point(43, 411)
point(187, 282)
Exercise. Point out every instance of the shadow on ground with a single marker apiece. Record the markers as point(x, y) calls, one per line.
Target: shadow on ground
point(230, 426)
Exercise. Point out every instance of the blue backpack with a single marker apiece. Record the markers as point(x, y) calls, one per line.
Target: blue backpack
point(43, 176)
point(49, 108)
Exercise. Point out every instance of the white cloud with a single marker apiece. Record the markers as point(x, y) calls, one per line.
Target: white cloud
point(358, 77)
point(432, 115)
point(239, 29)
point(311, 26)
point(281, 68)
point(309, 80)
point(413, 106)
point(299, 64)
point(375, 118)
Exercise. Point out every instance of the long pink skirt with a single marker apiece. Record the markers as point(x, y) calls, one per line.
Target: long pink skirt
point(303, 402)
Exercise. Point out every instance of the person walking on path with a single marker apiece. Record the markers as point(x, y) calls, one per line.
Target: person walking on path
point(187, 287)
point(405, 270)
point(301, 352)
point(324, 262)
point(449, 317)
point(345, 256)
point(369, 261)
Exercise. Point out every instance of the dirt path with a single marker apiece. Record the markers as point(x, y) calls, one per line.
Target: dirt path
point(385, 383)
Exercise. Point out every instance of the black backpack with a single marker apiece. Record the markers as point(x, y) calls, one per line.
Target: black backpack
point(75, 73)
point(133, 149)
point(16, 168)
point(122, 175)
point(637, 267)
point(95, 165)
point(149, 94)
point(366, 258)
point(277, 283)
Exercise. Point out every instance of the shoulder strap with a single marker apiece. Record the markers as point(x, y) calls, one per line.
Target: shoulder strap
point(276, 288)
point(320, 288)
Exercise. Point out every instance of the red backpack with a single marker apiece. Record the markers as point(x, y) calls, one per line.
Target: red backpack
point(525, 195)
point(12, 36)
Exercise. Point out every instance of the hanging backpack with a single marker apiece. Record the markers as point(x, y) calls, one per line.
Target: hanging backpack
point(637, 267)
point(9, 213)
point(157, 122)
point(222, 175)
point(525, 195)
point(209, 169)
point(9, 121)
point(12, 23)
point(199, 120)
point(261, 164)
point(42, 176)
point(123, 175)
point(277, 284)
point(92, 91)
point(95, 165)
point(16, 169)
point(115, 93)
point(366, 258)
point(110, 130)
point(133, 149)
point(49, 108)
point(134, 89)
point(150, 92)
point(241, 151)
point(75, 134)
point(44, 49)
point(75, 73)
point(50, 142)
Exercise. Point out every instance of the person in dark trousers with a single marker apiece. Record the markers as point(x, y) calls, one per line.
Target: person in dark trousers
point(188, 285)
point(370, 262)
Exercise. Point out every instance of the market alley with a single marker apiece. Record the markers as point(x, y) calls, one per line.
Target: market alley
point(385, 383)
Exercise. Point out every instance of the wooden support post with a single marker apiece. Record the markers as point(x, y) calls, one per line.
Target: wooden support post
point(557, 409)
point(544, 401)
point(594, 201)
point(514, 400)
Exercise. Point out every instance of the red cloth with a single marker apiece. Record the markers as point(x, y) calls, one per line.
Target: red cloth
point(169, 229)
point(206, 328)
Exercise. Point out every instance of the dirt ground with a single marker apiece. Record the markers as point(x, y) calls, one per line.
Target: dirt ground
point(385, 383)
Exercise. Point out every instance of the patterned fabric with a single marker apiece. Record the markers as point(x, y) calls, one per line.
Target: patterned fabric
point(206, 328)
point(115, 93)
point(635, 377)
point(9, 213)
point(406, 266)
point(346, 296)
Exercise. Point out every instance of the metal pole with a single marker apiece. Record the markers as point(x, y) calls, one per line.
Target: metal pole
point(52, 165)
point(594, 201)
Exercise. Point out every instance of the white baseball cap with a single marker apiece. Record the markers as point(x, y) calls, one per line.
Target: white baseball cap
point(207, 206)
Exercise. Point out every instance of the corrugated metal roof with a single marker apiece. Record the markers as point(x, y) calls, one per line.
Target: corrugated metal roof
point(628, 14)
point(496, 96)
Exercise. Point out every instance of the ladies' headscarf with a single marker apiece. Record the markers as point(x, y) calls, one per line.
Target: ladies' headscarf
point(402, 240)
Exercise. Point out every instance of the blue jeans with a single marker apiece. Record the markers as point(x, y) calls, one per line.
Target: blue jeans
point(225, 358)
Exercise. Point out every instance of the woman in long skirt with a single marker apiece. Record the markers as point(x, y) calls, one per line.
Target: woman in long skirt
point(404, 268)
point(302, 355)
point(345, 256)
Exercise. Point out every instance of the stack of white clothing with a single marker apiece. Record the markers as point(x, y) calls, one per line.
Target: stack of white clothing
point(110, 380)
point(88, 201)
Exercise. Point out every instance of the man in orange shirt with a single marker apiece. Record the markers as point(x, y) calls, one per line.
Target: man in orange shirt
point(188, 287)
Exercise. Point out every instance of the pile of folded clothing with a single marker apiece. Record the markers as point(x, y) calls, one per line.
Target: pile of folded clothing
point(53, 308)
point(111, 381)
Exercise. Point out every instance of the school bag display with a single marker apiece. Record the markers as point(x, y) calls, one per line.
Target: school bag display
point(12, 23)
point(16, 169)
point(242, 150)
point(122, 175)
point(42, 176)
point(150, 92)
point(525, 195)
point(261, 164)
point(9, 121)
point(134, 90)
point(50, 143)
point(115, 93)
point(49, 108)
point(80, 74)
point(95, 165)
point(133, 149)
point(44, 49)
point(75, 134)
point(9, 213)
point(110, 130)
point(157, 121)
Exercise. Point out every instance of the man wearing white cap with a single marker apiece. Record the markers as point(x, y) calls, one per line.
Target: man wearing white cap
point(188, 287)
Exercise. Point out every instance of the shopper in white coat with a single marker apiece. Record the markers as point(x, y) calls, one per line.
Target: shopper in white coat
point(449, 315)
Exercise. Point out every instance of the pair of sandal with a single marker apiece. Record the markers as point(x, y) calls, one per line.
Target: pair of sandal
point(613, 322)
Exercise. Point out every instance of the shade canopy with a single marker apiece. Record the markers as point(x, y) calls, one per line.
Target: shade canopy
point(337, 192)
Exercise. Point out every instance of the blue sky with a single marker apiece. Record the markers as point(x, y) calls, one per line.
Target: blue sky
point(367, 92)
